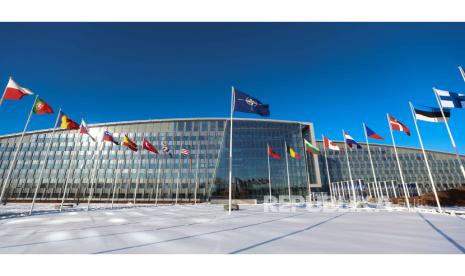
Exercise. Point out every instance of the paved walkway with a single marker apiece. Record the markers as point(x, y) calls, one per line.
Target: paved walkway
point(208, 229)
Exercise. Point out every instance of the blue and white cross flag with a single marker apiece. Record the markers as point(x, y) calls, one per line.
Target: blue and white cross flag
point(451, 99)
point(248, 104)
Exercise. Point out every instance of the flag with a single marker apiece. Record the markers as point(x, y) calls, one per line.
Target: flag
point(328, 144)
point(311, 148)
point(430, 114)
point(84, 130)
point(166, 149)
point(372, 134)
point(185, 151)
point(292, 153)
point(350, 141)
point(248, 104)
point(129, 143)
point(15, 92)
point(107, 136)
point(451, 99)
point(273, 154)
point(397, 125)
point(462, 72)
point(66, 122)
point(148, 146)
point(41, 107)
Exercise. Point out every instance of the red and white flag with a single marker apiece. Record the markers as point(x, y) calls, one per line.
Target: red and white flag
point(328, 144)
point(185, 151)
point(397, 125)
point(15, 92)
point(148, 146)
point(84, 130)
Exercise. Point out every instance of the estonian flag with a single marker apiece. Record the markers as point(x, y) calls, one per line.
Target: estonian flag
point(248, 104)
point(430, 114)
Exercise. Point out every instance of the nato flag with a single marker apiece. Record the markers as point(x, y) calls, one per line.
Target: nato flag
point(248, 104)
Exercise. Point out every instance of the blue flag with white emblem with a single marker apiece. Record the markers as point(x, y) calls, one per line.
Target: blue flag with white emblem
point(248, 104)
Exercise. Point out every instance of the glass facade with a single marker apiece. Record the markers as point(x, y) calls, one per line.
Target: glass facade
point(83, 161)
point(444, 166)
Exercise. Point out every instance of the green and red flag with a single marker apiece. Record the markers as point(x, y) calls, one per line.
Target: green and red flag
point(311, 148)
point(41, 107)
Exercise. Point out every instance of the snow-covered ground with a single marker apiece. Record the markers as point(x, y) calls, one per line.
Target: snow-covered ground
point(208, 228)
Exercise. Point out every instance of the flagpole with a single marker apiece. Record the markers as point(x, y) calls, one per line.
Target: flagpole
point(393, 189)
point(92, 181)
point(426, 159)
point(138, 176)
point(269, 171)
point(327, 170)
point(115, 179)
point(4, 91)
point(398, 163)
point(450, 133)
point(287, 170)
point(158, 180)
point(230, 148)
point(18, 147)
point(39, 181)
point(306, 168)
point(197, 173)
point(68, 173)
point(369, 154)
point(350, 171)
point(179, 174)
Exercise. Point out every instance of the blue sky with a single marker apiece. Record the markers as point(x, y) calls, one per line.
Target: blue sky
point(336, 75)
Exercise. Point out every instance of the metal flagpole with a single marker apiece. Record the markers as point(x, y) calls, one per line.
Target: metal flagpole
point(426, 159)
point(18, 148)
point(138, 176)
point(158, 180)
point(230, 148)
point(269, 170)
point(197, 173)
point(68, 173)
point(350, 172)
point(418, 189)
point(115, 180)
point(327, 171)
point(343, 190)
point(386, 188)
point(4, 91)
point(39, 181)
point(287, 170)
point(393, 189)
point(361, 188)
point(398, 164)
point(179, 174)
point(369, 189)
point(92, 180)
point(450, 134)
point(369, 154)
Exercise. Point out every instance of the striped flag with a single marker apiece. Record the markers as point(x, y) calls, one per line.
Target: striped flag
point(350, 141)
point(430, 114)
point(293, 153)
point(311, 148)
point(185, 151)
point(127, 142)
point(15, 92)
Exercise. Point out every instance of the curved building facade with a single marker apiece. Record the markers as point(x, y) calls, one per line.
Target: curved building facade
point(104, 169)
point(99, 168)
point(444, 166)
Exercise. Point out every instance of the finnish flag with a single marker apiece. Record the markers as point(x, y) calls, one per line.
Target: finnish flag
point(450, 99)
